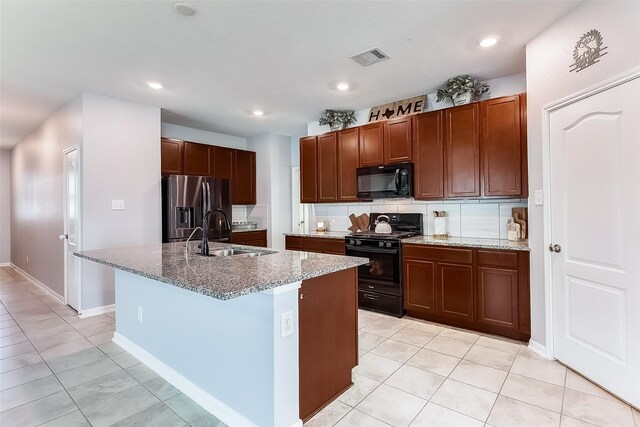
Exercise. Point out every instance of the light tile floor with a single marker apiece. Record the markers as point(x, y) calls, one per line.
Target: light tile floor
point(423, 374)
point(59, 370)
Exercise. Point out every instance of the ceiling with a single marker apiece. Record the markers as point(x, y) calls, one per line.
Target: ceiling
point(232, 57)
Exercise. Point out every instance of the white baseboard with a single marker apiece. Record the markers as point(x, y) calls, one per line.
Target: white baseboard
point(5, 264)
point(195, 393)
point(540, 349)
point(38, 283)
point(90, 312)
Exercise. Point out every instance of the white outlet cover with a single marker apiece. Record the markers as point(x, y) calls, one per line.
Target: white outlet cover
point(538, 200)
point(139, 314)
point(286, 324)
point(117, 205)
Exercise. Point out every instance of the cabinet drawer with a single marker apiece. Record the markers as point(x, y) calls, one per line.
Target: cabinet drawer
point(432, 253)
point(323, 245)
point(498, 259)
point(293, 243)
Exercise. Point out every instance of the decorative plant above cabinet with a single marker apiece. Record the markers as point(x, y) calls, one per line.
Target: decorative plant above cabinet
point(462, 90)
point(337, 119)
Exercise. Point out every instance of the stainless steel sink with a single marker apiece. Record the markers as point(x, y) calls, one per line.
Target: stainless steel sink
point(235, 252)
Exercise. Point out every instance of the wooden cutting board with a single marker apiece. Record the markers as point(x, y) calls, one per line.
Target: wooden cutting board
point(359, 222)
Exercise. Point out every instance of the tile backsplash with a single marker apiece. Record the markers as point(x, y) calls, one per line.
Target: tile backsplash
point(468, 218)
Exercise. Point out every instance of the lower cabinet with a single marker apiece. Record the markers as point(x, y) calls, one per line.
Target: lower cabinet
point(322, 245)
point(250, 238)
point(480, 289)
point(328, 325)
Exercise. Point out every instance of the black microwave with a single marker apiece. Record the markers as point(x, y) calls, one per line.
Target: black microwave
point(385, 182)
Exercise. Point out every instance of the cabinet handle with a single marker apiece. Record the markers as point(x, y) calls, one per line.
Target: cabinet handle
point(301, 296)
point(371, 297)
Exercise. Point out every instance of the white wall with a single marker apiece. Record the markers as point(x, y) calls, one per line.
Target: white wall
point(121, 160)
point(5, 206)
point(273, 177)
point(36, 195)
point(501, 86)
point(548, 79)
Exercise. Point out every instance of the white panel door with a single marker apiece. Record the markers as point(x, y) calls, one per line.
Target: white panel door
point(71, 235)
point(595, 229)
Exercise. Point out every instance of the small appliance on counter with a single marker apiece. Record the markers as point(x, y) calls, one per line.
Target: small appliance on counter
point(186, 199)
point(244, 225)
point(380, 281)
point(322, 225)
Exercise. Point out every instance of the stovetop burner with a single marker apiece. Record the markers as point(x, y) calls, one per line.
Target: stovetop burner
point(393, 235)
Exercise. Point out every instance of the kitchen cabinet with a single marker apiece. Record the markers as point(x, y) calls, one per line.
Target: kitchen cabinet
point(222, 161)
point(244, 178)
point(348, 161)
point(321, 245)
point(501, 147)
point(308, 170)
point(372, 144)
point(327, 321)
point(480, 289)
point(250, 238)
point(428, 155)
point(462, 151)
point(397, 140)
point(196, 159)
point(171, 156)
point(327, 150)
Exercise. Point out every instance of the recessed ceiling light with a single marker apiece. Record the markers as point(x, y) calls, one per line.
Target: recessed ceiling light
point(258, 113)
point(488, 41)
point(342, 86)
point(154, 85)
point(184, 9)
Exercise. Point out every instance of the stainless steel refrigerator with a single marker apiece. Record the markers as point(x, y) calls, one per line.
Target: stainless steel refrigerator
point(185, 199)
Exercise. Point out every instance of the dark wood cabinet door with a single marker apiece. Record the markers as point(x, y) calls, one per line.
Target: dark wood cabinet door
point(171, 156)
point(454, 293)
point(348, 162)
point(325, 372)
point(498, 297)
point(419, 285)
point(327, 167)
point(428, 155)
point(462, 151)
point(196, 159)
point(372, 144)
point(308, 170)
point(222, 161)
point(250, 238)
point(244, 178)
point(397, 140)
point(501, 147)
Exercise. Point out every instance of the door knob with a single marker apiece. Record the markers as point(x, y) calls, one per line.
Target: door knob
point(63, 236)
point(555, 248)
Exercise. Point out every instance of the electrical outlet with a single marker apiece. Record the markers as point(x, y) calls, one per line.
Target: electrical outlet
point(286, 323)
point(538, 198)
point(117, 205)
point(139, 314)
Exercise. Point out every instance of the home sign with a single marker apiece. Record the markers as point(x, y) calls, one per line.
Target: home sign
point(397, 109)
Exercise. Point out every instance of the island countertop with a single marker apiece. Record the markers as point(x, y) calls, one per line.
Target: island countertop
point(220, 277)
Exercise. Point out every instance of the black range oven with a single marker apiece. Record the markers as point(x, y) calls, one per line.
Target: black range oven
point(380, 281)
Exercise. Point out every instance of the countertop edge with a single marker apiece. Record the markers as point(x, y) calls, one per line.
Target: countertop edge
point(345, 265)
point(338, 236)
point(247, 231)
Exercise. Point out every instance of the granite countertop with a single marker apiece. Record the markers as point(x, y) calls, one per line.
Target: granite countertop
point(246, 231)
point(470, 242)
point(220, 277)
point(323, 235)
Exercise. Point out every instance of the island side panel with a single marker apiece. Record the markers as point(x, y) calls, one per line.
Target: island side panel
point(328, 338)
point(224, 352)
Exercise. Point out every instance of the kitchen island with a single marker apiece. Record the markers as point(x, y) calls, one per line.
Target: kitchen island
point(256, 340)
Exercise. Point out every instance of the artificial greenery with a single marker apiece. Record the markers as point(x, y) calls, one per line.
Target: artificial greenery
point(337, 119)
point(461, 84)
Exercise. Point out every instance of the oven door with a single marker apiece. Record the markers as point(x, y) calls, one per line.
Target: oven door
point(382, 273)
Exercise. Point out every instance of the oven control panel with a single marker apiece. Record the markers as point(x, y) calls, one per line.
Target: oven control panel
point(373, 243)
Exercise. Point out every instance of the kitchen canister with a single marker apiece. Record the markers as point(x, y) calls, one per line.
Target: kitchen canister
point(440, 225)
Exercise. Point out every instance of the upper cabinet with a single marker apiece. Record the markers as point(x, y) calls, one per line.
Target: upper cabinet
point(308, 170)
point(244, 178)
point(372, 144)
point(190, 158)
point(397, 140)
point(171, 155)
point(348, 161)
point(327, 167)
point(502, 147)
point(428, 155)
point(462, 151)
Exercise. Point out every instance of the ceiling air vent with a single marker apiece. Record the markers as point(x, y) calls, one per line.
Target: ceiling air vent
point(370, 56)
